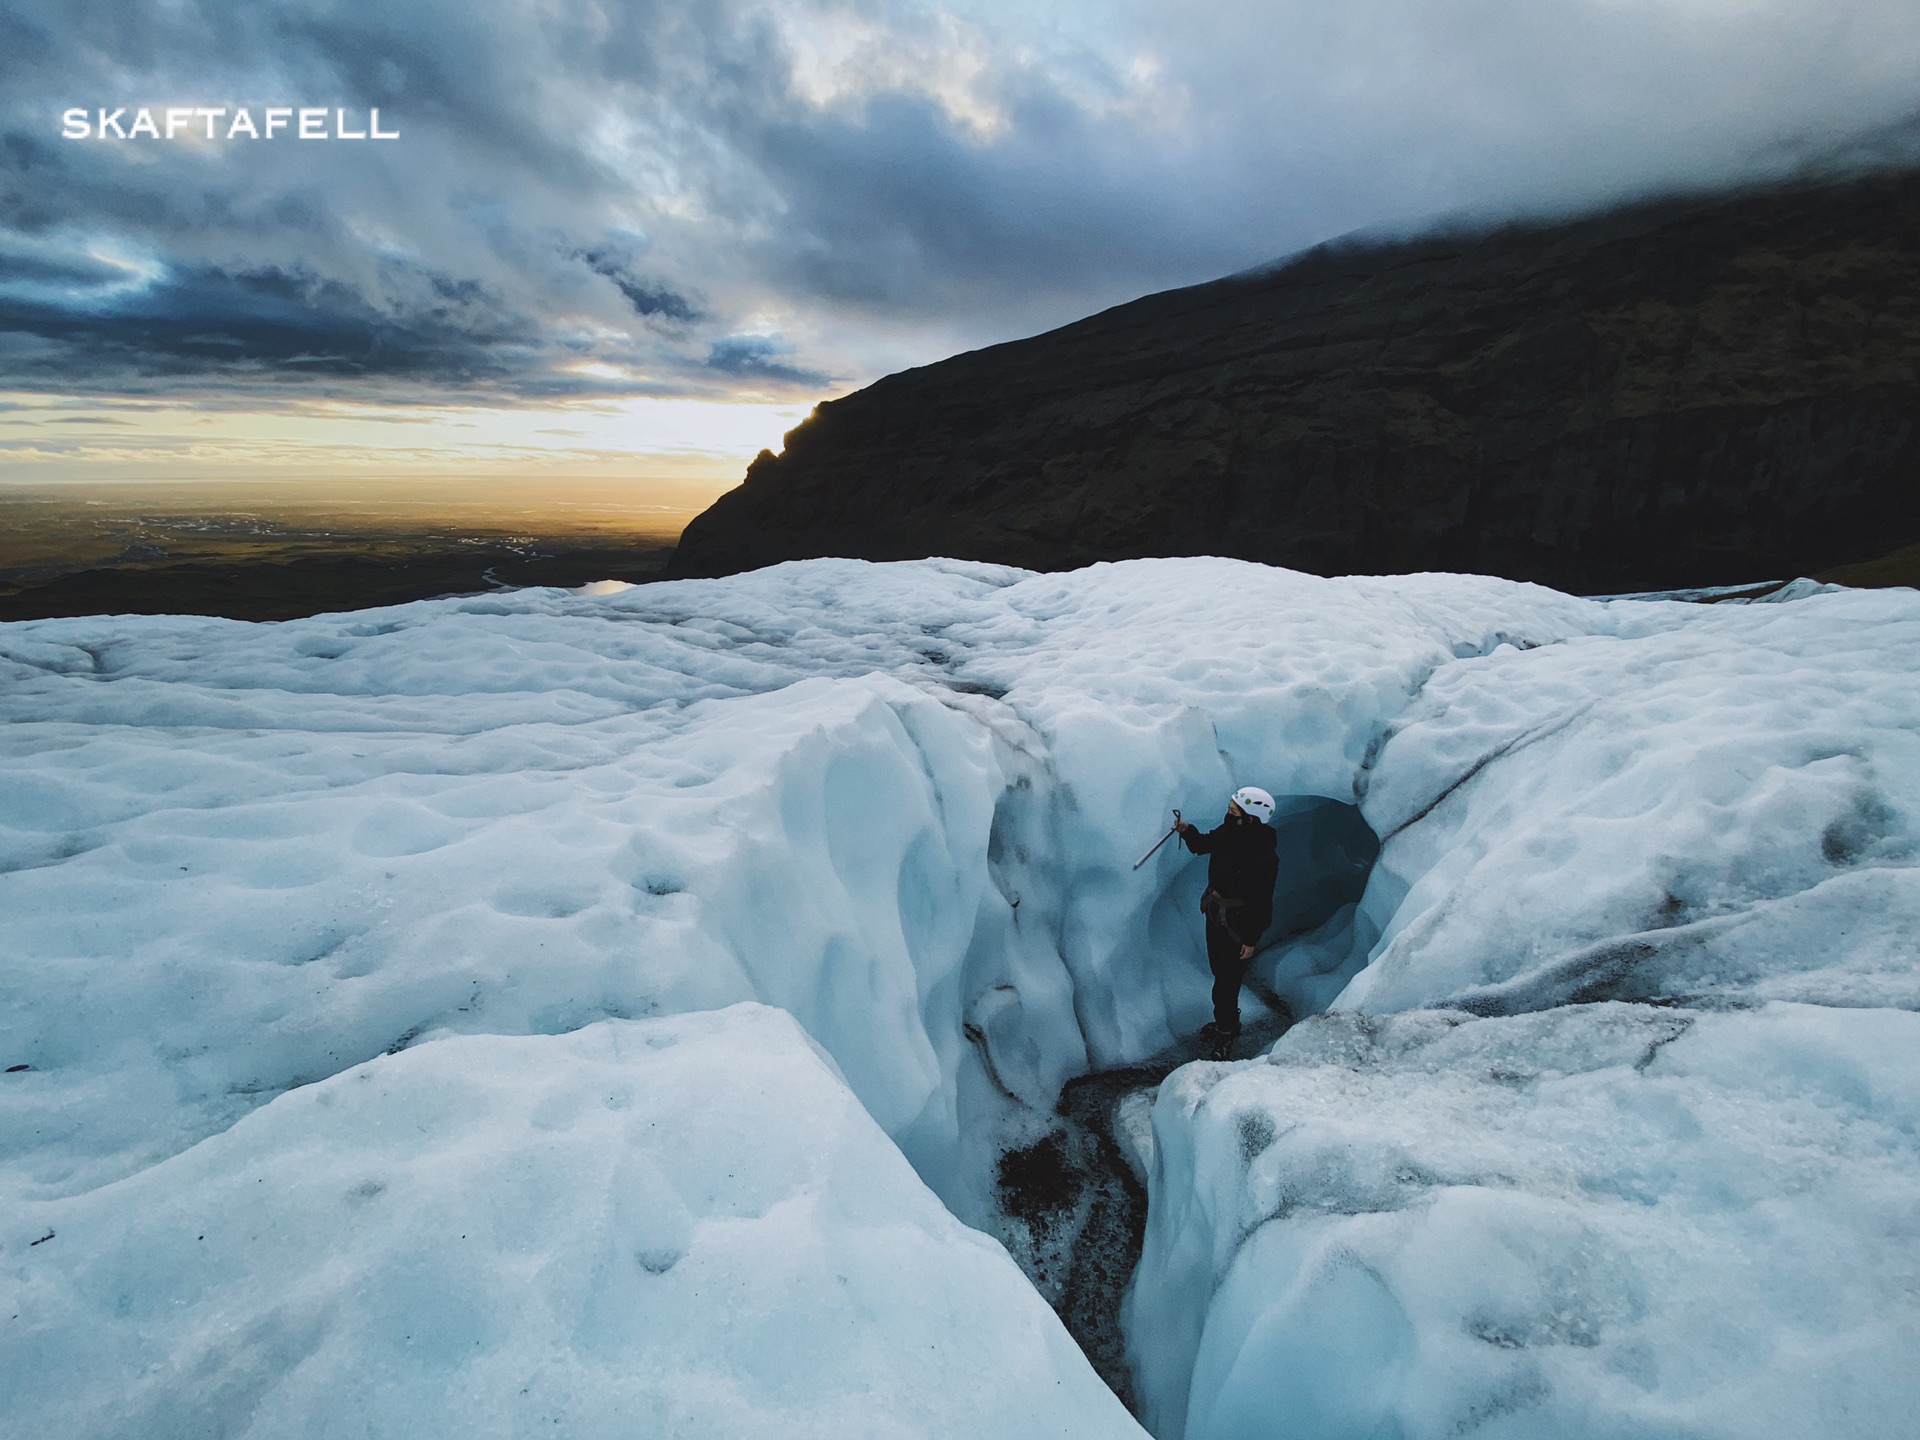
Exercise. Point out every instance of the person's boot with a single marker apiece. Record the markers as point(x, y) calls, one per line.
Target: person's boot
point(1221, 1041)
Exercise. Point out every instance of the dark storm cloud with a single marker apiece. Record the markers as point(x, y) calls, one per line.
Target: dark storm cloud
point(26, 266)
point(756, 357)
point(710, 195)
point(201, 317)
point(649, 298)
point(477, 253)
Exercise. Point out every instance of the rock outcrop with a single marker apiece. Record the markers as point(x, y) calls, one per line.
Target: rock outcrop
point(1695, 391)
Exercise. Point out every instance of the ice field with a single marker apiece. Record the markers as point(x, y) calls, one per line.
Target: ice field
point(683, 1226)
point(421, 960)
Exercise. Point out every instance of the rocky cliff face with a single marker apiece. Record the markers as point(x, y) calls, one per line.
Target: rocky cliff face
point(1697, 391)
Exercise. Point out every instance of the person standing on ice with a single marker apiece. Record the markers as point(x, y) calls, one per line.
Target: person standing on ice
point(1242, 866)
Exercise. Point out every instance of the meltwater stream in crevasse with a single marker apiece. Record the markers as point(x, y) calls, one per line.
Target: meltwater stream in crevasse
point(248, 865)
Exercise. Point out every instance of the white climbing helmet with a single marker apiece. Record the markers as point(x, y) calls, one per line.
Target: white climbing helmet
point(1256, 802)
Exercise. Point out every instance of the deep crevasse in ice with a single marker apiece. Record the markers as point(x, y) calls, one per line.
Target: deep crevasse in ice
point(247, 858)
point(1616, 1133)
point(253, 855)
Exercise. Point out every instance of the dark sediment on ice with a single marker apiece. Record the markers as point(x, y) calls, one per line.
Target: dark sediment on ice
point(1696, 391)
point(1075, 1214)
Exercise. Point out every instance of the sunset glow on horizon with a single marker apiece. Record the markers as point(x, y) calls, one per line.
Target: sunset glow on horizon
point(586, 249)
point(686, 446)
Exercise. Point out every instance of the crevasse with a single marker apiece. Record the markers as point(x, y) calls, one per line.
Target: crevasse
point(902, 803)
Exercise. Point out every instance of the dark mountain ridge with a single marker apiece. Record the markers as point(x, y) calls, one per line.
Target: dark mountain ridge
point(1691, 391)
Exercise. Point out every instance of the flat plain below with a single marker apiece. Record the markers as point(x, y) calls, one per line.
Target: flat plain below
point(277, 553)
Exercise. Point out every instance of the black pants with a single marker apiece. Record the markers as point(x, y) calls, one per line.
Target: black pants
point(1223, 958)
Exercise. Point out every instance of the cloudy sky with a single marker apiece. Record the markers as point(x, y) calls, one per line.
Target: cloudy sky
point(653, 233)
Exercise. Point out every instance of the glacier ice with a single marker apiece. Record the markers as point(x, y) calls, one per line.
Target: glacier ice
point(242, 864)
point(1606, 1219)
point(1660, 812)
point(682, 1226)
point(254, 855)
point(1614, 1132)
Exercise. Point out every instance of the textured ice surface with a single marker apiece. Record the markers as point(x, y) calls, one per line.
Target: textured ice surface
point(903, 802)
point(1601, 1220)
point(240, 858)
point(1725, 808)
point(680, 1227)
point(1696, 1217)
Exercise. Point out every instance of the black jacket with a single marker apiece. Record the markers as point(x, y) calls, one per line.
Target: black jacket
point(1242, 868)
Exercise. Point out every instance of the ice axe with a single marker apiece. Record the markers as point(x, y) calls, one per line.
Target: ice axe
point(1161, 841)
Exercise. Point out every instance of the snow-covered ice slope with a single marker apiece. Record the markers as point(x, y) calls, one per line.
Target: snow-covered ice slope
point(1726, 808)
point(903, 802)
point(240, 858)
point(1697, 1216)
point(674, 1227)
point(1600, 1220)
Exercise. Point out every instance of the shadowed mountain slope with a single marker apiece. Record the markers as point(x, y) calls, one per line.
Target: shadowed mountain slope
point(1687, 392)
